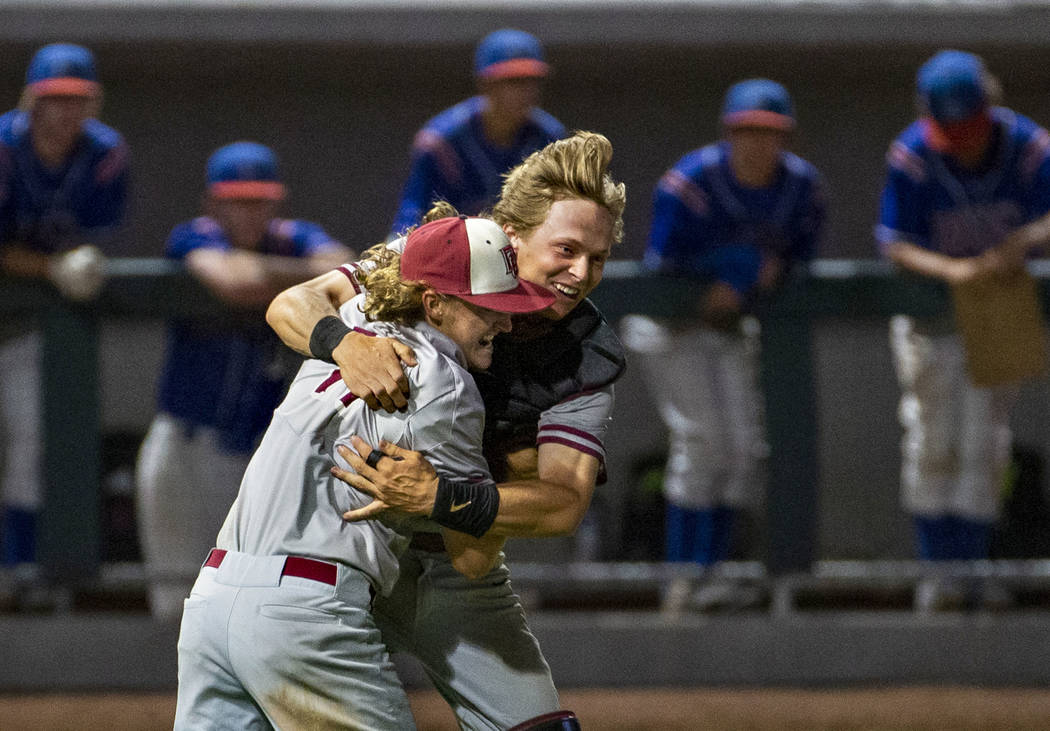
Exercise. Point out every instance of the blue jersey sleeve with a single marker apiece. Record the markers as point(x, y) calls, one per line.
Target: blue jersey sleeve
point(199, 233)
point(1035, 169)
point(310, 238)
point(903, 205)
point(680, 224)
point(417, 196)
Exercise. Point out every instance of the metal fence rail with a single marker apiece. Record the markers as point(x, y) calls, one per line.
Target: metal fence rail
point(155, 288)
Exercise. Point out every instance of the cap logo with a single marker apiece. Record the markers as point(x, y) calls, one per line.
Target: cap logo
point(510, 260)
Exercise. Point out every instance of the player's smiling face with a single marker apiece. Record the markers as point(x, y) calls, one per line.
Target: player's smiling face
point(472, 328)
point(567, 252)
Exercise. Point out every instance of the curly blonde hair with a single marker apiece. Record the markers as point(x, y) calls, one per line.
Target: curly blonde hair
point(388, 297)
point(575, 167)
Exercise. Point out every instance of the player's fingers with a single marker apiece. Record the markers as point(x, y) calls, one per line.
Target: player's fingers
point(407, 356)
point(372, 510)
point(354, 458)
point(362, 450)
point(355, 481)
point(392, 450)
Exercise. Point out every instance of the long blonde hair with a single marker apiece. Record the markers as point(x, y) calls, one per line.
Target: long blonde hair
point(388, 297)
point(575, 167)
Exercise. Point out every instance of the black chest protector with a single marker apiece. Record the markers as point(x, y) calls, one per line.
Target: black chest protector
point(579, 353)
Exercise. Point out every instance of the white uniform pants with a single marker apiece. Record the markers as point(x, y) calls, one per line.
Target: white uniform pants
point(956, 442)
point(186, 485)
point(705, 384)
point(20, 422)
point(471, 638)
point(260, 651)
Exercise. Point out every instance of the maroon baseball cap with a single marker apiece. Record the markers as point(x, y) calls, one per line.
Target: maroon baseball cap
point(472, 259)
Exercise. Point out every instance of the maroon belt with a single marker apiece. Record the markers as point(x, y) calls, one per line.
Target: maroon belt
point(432, 542)
point(304, 568)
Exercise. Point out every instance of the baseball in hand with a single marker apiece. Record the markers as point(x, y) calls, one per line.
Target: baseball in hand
point(78, 274)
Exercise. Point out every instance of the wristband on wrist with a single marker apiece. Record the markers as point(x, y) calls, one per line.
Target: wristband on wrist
point(468, 508)
point(326, 336)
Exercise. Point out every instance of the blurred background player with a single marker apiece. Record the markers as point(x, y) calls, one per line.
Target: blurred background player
point(220, 380)
point(737, 213)
point(460, 155)
point(63, 187)
point(966, 195)
point(284, 545)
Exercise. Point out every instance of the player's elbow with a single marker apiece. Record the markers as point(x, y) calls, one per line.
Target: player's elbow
point(276, 311)
point(565, 521)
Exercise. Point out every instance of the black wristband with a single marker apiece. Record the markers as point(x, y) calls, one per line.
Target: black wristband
point(326, 336)
point(465, 507)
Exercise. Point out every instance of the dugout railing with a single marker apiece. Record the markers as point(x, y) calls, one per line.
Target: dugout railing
point(70, 536)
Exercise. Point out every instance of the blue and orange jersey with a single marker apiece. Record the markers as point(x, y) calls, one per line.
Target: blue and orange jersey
point(230, 376)
point(931, 202)
point(50, 210)
point(453, 161)
point(706, 224)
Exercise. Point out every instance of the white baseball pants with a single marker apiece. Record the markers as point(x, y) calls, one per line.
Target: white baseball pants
point(472, 640)
point(262, 650)
point(956, 443)
point(705, 384)
point(186, 484)
point(21, 485)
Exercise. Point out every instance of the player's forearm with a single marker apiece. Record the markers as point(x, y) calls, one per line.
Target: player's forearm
point(282, 272)
point(538, 508)
point(925, 262)
point(1028, 238)
point(295, 312)
point(17, 261)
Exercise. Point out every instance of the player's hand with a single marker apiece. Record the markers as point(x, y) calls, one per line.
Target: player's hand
point(720, 306)
point(371, 369)
point(403, 480)
point(78, 274)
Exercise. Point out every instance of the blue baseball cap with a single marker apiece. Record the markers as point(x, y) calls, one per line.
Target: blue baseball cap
point(62, 69)
point(244, 170)
point(952, 87)
point(758, 103)
point(509, 54)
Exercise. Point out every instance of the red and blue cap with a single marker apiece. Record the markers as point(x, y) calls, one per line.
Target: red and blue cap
point(472, 259)
point(62, 69)
point(758, 103)
point(509, 54)
point(953, 91)
point(244, 170)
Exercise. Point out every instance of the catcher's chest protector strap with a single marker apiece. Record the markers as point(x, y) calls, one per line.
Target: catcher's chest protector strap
point(581, 353)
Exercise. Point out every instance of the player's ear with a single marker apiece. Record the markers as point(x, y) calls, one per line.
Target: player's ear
point(512, 236)
point(434, 305)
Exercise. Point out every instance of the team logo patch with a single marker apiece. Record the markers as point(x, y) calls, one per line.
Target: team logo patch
point(510, 260)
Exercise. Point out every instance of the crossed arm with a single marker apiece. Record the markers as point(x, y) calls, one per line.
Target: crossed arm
point(552, 486)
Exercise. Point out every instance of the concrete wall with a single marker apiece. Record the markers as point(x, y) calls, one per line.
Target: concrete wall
point(341, 112)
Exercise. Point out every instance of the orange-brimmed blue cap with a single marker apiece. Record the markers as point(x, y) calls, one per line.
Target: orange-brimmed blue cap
point(509, 54)
point(758, 103)
point(244, 170)
point(62, 69)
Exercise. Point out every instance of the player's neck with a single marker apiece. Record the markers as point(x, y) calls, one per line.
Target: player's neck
point(499, 129)
point(752, 176)
point(52, 152)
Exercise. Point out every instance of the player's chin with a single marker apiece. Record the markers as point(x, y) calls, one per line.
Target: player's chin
point(480, 357)
point(561, 307)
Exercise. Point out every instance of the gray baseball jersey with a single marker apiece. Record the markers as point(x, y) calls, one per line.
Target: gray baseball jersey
point(290, 504)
